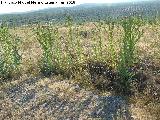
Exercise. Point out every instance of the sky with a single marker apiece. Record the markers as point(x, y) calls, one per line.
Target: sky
point(14, 8)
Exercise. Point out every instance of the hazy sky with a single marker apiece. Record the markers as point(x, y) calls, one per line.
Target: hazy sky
point(9, 8)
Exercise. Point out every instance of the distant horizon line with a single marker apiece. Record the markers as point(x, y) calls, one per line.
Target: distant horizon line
point(36, 10)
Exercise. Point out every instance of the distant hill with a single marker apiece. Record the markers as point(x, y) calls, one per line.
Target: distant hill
point(85, 12)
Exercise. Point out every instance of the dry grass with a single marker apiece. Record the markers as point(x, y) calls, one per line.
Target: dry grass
point(148, 47)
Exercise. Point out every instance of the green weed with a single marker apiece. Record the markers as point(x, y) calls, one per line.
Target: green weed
point(112, 52)
point(10, 59)
point(132, 34)
point(44, 37)
point(97, 40)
